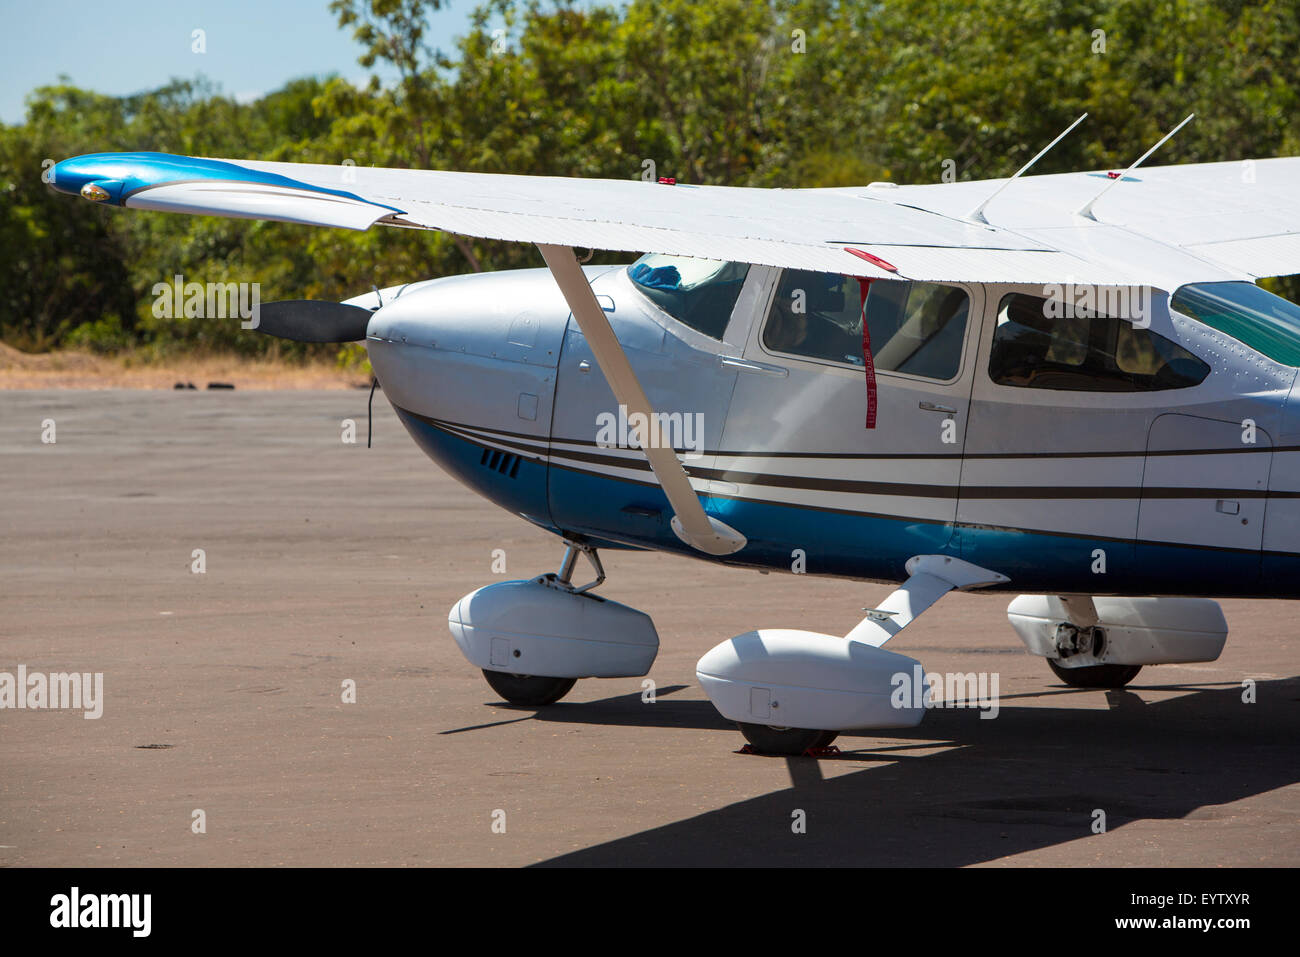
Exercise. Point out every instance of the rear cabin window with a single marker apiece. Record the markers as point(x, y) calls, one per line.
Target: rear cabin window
point(1251, 315)
point(700, 293)
point(1036, 347)
point(916, 328)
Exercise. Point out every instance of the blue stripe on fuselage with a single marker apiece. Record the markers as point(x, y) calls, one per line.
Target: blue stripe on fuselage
point(845, 544)
point(523, 493)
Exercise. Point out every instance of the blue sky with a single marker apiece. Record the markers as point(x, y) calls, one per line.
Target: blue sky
point(253, 46)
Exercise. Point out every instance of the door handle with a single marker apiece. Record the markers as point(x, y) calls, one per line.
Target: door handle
point(749, 365)
point(936, 407)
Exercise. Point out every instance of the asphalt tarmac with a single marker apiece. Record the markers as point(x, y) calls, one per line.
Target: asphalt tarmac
point(328, 563)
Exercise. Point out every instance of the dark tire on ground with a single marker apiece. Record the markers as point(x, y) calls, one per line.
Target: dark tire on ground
point(791, 741)
point(826, 739)
point(1096, 676)
point(529, 690)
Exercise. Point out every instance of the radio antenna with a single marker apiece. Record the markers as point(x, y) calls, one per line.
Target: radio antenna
point(977, 215)
point(1086, 209)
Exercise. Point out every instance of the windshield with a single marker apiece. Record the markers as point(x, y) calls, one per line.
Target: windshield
point(1251, 315)
point(697, 292)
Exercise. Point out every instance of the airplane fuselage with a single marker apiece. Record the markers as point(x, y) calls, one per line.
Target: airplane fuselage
point(1164, 460)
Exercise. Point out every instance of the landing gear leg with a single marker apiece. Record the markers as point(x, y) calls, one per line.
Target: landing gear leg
point(564, 577)
point(827, 684)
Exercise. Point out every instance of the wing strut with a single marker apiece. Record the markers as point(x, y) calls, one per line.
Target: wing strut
point(930, 578)
point(690, 522)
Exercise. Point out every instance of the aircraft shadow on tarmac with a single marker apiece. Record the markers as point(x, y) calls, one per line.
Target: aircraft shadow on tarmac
point(1029, 779)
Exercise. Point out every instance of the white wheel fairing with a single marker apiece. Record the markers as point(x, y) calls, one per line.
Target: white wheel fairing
point(802, 679)
point(530, 628)
point(1138, 631)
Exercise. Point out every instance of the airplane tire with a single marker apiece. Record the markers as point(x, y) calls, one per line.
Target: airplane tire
point(1095, 676)
point(532, 691)
point(791, 741)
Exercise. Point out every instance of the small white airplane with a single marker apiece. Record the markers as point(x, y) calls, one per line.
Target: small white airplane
point(1065, 384)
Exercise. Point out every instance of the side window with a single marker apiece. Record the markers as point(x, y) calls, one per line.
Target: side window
point(916, 327)
point(700, 293)
point(1084, 352)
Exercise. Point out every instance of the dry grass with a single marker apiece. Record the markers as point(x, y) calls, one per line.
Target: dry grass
point(79, 370)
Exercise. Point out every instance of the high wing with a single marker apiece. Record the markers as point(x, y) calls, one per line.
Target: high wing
point(1161, 226)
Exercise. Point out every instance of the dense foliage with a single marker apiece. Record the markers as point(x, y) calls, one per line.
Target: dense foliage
point(777, 93)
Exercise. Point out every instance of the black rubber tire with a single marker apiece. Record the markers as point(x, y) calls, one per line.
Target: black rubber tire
point(789, 741)
point(1095, 676)
point(827, 738)
point(529, 690)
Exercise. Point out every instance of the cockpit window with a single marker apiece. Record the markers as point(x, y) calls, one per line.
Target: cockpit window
point(916, 327)
point(700, 293)
point(1251, 315)
point(1039, 347)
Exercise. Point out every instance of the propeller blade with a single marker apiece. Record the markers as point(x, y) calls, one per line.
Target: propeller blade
point(313, 320)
